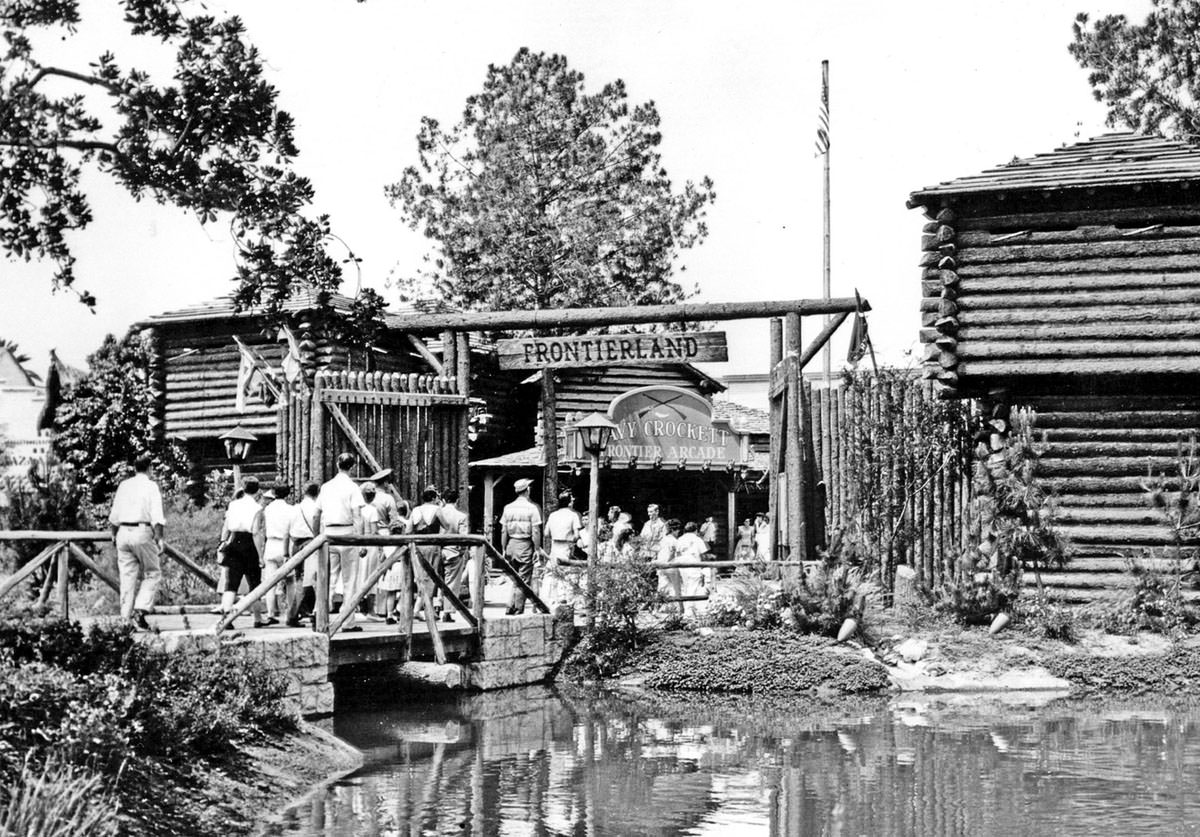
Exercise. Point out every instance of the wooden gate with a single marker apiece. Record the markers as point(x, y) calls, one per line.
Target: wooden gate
point(413, 424)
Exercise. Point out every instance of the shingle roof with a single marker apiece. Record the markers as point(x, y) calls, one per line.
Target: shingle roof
point(741, 418)
point(303, 299)
point(1118, 159)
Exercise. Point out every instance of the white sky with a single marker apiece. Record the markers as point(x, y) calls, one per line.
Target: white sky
point(920, 92)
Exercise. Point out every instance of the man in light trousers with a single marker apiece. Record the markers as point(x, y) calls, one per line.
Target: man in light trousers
point(136, 521)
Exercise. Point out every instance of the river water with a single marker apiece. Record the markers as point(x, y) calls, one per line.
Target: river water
point(538, 761)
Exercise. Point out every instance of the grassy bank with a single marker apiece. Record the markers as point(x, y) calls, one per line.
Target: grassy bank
point(163, 743)
point(753, 662)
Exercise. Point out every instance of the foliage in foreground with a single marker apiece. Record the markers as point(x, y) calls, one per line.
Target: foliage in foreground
point(56, 801)
point(624, 591)
point(758, 662)
point(136, 717)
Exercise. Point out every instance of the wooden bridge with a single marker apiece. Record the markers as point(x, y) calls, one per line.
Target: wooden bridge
point(425, 640)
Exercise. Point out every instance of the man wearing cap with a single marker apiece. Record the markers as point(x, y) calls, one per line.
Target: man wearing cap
point(520, 535)
point(136, 520)
point(339, 512)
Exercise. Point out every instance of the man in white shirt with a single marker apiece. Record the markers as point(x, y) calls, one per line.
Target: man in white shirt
point(520, 537)
point(339, 512)
point(244, 541)
point(277, 519)
point(136, 521)
point(454, 558)
point(563, 526)
point(653, 531)
point(301, 530)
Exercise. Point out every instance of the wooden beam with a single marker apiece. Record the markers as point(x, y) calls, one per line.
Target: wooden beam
point(822, 338)
point(190, 565)
point(87, 563)
point(423, 351)
point(441, 584)
point(432, 323)
point(794, 440)
point(352, 435)
point(31, 567)
point(423, 589)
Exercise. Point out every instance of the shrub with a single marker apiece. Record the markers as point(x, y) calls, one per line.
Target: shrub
point(624, 590)
point(759, 662)
point(820, 605)
point(1050, 620)
point(745, 601)
point(1155, 603)
point(56, 801)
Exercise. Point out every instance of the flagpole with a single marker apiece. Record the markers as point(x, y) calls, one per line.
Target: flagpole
point(827, 354)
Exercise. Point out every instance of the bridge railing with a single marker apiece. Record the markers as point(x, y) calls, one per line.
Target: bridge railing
point(63, 549)
point(416, 571)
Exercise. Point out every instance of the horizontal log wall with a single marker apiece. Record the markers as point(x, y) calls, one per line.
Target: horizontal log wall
point(1060, 295)
point(1096, 453)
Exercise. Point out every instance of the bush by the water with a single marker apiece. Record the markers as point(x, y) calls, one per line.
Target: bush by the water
point(128, 714)
point(56, 801)
point(624, 591)
point(757, 662)
point(1177, 672)
point(815, 604)
point(1155, 603)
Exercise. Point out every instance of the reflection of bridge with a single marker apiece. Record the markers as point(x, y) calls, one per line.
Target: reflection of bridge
point(470, 650)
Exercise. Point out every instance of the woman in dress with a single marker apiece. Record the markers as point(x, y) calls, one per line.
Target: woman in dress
point(744, 551)
point(393, 580)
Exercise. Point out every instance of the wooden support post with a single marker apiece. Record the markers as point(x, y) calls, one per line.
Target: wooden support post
point(489, 507)
point(731, 521)
point(321, 619)
point(423, 350)
point(776, 430)
point(549, 441)
point(449, 353)
point(424, 583)
point(190, 565)
point(317, 455)
point(795, 443)
point(477, 575)
point(404, 605)
point(463, 376)
point(47, 586)
point(448, 594)
point(64, 582)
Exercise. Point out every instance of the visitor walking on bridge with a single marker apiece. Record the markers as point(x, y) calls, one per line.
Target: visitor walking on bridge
point(339, 512)
point(244, 542)
point(454, 557)
point(137, 523)
point(277, 517)
point(520, 535)
point(301, 530)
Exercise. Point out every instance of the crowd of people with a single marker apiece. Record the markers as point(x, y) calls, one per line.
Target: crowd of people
point(263, 529)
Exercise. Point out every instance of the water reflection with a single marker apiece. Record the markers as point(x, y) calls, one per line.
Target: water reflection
point(538, 762)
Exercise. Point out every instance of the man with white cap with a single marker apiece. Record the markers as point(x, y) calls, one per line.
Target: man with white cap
point(520, 536)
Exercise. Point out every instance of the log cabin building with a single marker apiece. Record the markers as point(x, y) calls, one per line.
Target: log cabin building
point(196, 366)
point(1068, 283)
point(705, 456)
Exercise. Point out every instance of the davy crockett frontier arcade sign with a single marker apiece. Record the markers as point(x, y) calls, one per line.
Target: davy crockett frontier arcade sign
point(624, 349)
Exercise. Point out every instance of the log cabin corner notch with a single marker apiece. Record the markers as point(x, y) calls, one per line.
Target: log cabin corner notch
point(1069, 283)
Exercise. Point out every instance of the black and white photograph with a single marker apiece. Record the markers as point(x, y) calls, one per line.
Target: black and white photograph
point(533, 418)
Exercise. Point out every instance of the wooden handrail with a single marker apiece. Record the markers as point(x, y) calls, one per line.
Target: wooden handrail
point(512, 573)
point(30, 567)
point(189, 564)
point(266, 584)
point(43, 535)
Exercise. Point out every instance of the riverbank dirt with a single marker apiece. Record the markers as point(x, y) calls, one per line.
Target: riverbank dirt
point(937, 655)
point(245, 794)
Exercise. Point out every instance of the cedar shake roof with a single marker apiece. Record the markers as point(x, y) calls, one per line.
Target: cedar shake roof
point(1118, 159)
point(743, 419)
point(303, 299)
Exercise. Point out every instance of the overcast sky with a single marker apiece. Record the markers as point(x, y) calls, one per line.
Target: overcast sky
point(920, 92)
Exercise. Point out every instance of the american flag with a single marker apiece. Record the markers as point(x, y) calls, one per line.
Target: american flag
point(823, 113)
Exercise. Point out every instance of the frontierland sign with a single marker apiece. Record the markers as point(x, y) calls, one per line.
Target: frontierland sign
point(616, 349)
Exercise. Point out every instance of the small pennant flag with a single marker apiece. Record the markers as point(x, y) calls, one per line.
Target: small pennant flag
point(822, 143)
point(292, 368)
point(254, 375)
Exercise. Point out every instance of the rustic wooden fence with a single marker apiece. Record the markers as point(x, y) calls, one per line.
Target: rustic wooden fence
point(894, 462)
point(414, 424)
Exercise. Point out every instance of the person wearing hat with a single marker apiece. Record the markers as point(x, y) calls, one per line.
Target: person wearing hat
point(384, 502)
point(520, 536)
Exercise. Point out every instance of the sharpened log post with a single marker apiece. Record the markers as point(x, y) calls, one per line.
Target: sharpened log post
point(321, 621)
point(797, 536)
point(776, 422)
point(317, 455)
point(476, 585)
